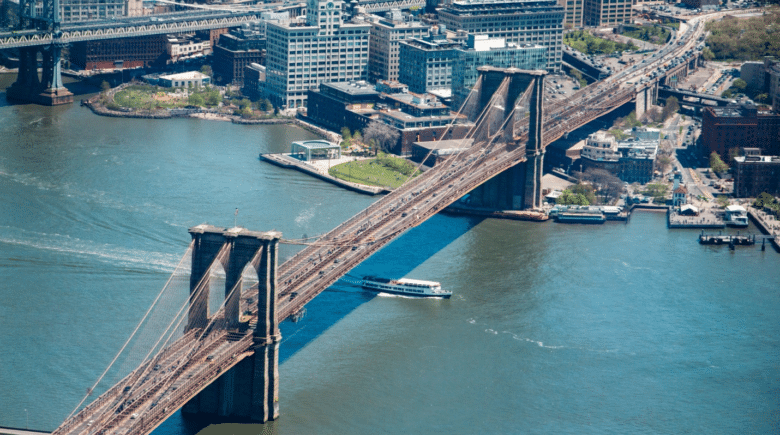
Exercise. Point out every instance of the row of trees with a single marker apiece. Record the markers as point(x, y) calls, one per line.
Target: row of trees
point(745, 39)
point(595, 186)
point(655, 33)
point(377, 135)
point(583, 41)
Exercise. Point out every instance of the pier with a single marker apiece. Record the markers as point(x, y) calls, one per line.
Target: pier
point(733, 240)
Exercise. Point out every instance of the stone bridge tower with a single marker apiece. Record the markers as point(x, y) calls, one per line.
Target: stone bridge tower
point(249, 390)
point(519, 187)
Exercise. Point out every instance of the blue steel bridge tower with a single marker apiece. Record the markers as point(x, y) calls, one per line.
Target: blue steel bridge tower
point(48, 89)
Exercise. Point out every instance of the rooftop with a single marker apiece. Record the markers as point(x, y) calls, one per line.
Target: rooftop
point(353, 88)
point(189, 75)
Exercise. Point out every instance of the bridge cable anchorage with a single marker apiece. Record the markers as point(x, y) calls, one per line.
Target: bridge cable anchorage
point(146, 315)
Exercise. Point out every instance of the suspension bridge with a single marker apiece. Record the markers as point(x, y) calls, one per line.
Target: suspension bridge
point(43, 33)
point(226, 363)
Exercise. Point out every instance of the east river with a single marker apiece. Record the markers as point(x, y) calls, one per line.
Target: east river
point(618, 328)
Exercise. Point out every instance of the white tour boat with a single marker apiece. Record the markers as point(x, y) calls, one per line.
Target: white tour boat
point(405, 286)
point(736, 216)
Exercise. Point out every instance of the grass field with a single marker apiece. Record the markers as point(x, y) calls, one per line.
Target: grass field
point(152, 97)
point(144, 97)
point(369, 172)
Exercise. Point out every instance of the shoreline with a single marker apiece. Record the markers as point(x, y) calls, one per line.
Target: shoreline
point(204, 114)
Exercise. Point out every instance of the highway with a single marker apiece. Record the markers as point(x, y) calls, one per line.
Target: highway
point(162, 385)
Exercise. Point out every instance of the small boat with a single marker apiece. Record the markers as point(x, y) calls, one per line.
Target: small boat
point(406, 287)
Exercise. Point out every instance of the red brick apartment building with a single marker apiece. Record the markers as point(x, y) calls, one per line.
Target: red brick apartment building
point(119, 53)
point(737, 126)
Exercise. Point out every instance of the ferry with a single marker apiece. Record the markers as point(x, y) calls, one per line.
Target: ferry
point(405, 287)
point(736, 216)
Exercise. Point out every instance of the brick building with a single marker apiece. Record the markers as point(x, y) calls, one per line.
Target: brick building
point(754, 174)
point(235, 51)
point(735, 126)
point(142, 51)
point(631, 160)
point(386, 33)
point(416, 117)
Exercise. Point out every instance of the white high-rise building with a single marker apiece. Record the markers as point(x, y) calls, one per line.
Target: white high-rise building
point(300, 56)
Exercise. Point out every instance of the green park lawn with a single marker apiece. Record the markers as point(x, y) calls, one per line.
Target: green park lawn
point(369, 172)
point(144, 97)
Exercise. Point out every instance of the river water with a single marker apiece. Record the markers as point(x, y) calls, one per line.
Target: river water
point(618, 328)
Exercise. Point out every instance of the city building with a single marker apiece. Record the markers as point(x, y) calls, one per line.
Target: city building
point(416, 117)
point(632, 160)
point(679, 196)
point(142, 51)
point(254, 81)
point(386, 33)
point(755, 174)
point(537, 22)
point(481, 50)
point(325, 48)
point(739, 125)
point(342, 104)
point(607, 13)
point(764, 76)
point(212, 35)
point(235, 51)
point(428, 62)
point(182, 48)
point(85, 10)
point(573, 13)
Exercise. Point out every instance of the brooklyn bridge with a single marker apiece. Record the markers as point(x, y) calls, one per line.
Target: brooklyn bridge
point(225, 362)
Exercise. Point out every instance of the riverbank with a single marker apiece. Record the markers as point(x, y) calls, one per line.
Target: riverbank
point(95, 105)
point(288, 162)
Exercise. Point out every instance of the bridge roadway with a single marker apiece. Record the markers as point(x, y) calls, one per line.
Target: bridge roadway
point(176, 22)
point(192, 362)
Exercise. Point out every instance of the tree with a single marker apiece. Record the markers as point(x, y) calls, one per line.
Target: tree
point(345, 134)
point(739, 84)
point(206, 69)
point(763, 200)
point(586, 190)
point(212, 98)
point(196, 100)
point(619, 134)
point(707, 54)
point(653, 114)
point(265, 105)
point(105, 86)
point(722, 201)
point(608, 184)
point(570, 198)
point(382, 135)
point(671, 107)
point(663, 161)
point(716, 163)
